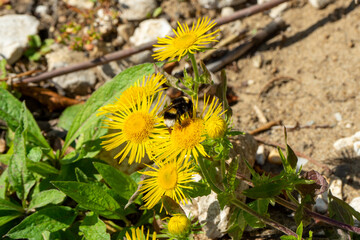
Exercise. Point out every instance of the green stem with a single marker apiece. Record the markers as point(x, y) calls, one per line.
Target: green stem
point(265, 219)
point(196, 73)
point(292, 198)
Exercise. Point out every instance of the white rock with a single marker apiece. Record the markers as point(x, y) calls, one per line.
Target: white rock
point(357, 148)
point(14, 32)
point(219, 3)
point(232, 28)
point(338, 116)
point(41, 10)
point(336, 187)
point(348, 142)
point(227, 11)
point(148, 30)
point(104, 21)
point(260, 155)
point(275, 11)
point(134, 10)
point(320, 3)
point(87, 4)
point(207, 210)
point(355, 203)
point(320, 205)
point(79, 82)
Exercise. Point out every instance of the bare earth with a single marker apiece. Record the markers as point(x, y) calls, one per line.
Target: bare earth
point(319, 57)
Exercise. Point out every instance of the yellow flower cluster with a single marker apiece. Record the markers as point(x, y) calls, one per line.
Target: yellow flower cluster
point(137, 128)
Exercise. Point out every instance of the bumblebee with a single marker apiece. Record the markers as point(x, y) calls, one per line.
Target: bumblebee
point(177, 108)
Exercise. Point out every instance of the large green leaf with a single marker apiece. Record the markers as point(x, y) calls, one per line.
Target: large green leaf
point(68, 115)
point(4, 181)
point(86, 118)
point(93, 228)
point(41, 168)
point(92, 197)
point(20, 178)
point(46, 197)
point(10, 112)
point(118, 181)
point(49, 219)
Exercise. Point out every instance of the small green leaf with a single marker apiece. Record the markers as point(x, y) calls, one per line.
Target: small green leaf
point(261, 207)
point(266, 190)
point(46, 197)
point(198, 189)
point(341, 211)
point(224, 198)
point(93, 228)
point(291, 157)
point(49, 219)
point(4, 181)
point(7, 205)
point(81, 176)
point(5, 158)
point(41, 168)
point(35, 154)
point(20, 178)
point(10, 111)
point(91, 197)
point(118, 181)
point(157, 12)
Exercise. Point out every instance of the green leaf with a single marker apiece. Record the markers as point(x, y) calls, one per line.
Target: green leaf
point(35, 154)
point(93, 228)
point(68, 115)
point(10, 112)
point(81, 176)
point(261, 207)
point(5, 158)
point(341, 211)
point(49, 219)
point(4, 181)
point(266, 190)
point(41, 168)
point(91, 197)
point(171, 206)
point(86, 118)
point(7, 205)
point(224, 199)
point(231, 175)
point(121, 183)
point(8, 216)
point(46, 197)
point(198, 189)
point(20, 178)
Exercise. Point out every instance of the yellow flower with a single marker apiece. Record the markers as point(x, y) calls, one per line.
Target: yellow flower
point(137, 128)
point(149, 86)
point(170, 178)
point(179, 225)
point(186, 138)
point(215, 125)
point(186, 40)
point(138, 234)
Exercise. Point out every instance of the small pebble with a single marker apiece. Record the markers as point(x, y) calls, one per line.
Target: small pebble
point(2, 145)
point(250, 82)
point(338, 116)
point(260, 155)
point(336, 187)
point(320, 205)
point(257, 60)
point(274, 157)
point(348, 125)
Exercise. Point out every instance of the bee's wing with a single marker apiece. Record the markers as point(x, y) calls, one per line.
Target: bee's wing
point(168, 108)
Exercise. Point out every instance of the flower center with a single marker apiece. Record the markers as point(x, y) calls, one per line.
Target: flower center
point(215, 127)
point(137, 127)
point(188, 134)
point(185, 41)
point(167, 177)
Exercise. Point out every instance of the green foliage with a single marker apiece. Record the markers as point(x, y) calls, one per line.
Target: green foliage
point(42, 193)
point(37, 48)
point(299, 232)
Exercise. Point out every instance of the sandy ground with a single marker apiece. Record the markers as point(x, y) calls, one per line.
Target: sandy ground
point(318, 56)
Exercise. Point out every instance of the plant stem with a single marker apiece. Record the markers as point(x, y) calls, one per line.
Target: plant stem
point(196, 73)
point(265, 219)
